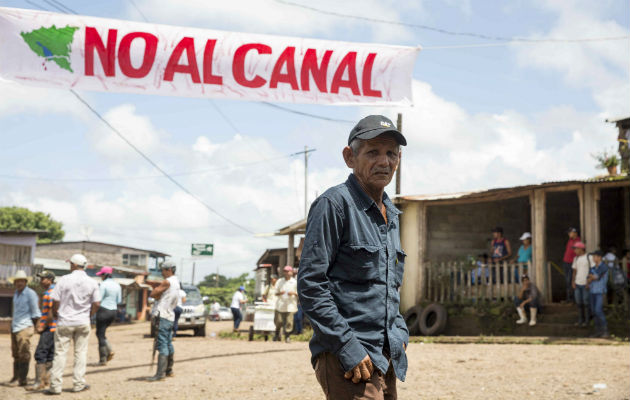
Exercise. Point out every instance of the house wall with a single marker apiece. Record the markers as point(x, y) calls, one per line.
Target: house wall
point(96, 253)
point(21, 246)
point(459, 230)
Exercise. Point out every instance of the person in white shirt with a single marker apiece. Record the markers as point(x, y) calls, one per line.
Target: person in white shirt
point(580, 268)
point(286, 304)
point(76, 297)
point(181, 299)
point(237, 299)
point(166, 296)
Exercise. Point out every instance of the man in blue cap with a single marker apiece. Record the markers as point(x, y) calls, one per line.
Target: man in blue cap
point(351, 269)
point(238, 299)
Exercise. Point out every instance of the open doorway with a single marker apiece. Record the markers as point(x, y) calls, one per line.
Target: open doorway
point(612, 219)
point(563, 212)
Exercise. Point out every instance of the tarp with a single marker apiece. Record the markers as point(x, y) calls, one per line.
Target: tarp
point(87, 53)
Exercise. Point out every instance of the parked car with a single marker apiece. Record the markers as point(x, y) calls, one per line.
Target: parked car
point(193, 315)
point(223, 314)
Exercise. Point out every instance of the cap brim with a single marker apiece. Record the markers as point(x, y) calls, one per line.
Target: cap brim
point(377, 132)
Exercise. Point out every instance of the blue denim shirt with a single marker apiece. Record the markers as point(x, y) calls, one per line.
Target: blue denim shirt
point(25, 309)
point(601, 272)
point(351, 269)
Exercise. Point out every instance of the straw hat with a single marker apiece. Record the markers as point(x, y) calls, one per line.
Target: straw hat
point(20, 275)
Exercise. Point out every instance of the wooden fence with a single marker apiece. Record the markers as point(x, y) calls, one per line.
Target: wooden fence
point(458, 281)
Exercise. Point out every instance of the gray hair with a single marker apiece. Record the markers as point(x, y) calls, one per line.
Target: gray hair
point(357, 143)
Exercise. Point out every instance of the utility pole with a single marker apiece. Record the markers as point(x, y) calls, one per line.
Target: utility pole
point(399, 127)
point(192, 281)
point(305, 152)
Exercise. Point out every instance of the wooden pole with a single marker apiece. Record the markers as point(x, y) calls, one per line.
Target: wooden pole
point(399, 127)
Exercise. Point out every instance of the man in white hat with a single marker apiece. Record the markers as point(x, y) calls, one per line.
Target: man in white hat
point(25, 316)
point(76, 298)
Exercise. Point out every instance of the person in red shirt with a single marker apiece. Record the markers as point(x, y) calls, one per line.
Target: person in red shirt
point(567, 262)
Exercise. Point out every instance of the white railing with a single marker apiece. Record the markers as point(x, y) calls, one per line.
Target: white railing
point(459, 281)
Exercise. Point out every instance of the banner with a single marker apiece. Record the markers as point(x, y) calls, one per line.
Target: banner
point(72, 51)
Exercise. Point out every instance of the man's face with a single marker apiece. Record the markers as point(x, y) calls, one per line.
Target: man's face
point(579, 251)
point(496, 235)
point(45, 282)
point(167, 272)
point(19, 284)
point(376, 161)
point(572, 235)
point(288, 274)
point(525, 282)
point(597, 259)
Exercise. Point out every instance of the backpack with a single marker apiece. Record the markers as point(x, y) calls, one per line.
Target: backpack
point(618, 278)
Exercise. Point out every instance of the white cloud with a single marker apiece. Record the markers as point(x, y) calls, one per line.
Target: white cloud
point(601, 66)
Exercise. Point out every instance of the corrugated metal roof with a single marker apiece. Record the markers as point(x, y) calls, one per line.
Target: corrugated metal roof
point(477, 193)
point(157, 253)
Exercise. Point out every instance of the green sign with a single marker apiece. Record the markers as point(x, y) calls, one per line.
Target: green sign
point(202, 249)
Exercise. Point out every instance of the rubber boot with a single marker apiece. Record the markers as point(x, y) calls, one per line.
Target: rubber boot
point(46, 377)
point(23, 373)
point(521, 314)
point(102, 355)
point(532, 318)
point(40, 372)
point(15, 380)
point(110, 352)
point(169, 366)
point(161, 369)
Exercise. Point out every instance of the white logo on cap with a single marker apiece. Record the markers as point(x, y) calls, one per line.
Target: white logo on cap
point(386, 124)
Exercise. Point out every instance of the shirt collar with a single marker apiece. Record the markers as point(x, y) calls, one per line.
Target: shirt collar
point(364, 201)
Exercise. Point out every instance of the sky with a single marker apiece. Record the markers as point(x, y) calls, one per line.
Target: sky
point(486, 113)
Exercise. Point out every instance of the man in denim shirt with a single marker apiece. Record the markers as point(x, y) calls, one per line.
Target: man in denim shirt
point(351, 269)
point(596, 283)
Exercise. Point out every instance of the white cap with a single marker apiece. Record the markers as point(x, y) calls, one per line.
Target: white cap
point(78, 259)
point(526, 235)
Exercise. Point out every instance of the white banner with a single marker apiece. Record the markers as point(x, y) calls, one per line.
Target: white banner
point(72, 51)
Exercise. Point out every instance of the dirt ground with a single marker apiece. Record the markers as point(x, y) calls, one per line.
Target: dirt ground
point(212, 368)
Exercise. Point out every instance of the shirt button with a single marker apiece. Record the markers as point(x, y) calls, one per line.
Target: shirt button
point(382, 229)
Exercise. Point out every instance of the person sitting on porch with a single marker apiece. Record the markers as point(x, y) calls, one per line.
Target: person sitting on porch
point(524, 255)
point(597, 281)
point(528, 298)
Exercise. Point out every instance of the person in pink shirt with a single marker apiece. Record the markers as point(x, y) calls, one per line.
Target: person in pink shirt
point(567, 262)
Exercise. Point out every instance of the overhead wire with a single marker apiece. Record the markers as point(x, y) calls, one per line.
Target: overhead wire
point(133, 3)
point(446, 31)
point(276, 106)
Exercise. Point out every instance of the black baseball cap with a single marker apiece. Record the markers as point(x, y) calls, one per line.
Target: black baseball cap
point(597, 253)
point(373, 126)
point(498, 229)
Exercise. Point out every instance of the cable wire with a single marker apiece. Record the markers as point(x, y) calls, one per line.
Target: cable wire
point(170, 178)
point(345, 121)
point(445, 31)
point(133, 3)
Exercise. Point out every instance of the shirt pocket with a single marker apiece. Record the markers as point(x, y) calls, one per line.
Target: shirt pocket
point(400, 267)
point(358, 263)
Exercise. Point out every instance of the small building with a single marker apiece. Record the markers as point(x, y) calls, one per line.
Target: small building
point(438, 228)
point(17, 252)
point(131, 267)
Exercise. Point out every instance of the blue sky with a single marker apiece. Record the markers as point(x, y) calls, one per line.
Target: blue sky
point(501, 115)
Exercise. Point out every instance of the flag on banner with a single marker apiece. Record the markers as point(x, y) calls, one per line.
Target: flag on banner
point(73, 51)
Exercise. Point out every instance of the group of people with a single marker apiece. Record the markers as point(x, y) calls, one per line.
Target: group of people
point(282, 295)
point(67, 306)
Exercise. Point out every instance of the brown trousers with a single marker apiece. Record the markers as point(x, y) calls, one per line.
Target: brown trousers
point(21, 345)
point(329, 374)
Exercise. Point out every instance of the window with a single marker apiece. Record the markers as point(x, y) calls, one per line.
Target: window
point(138, 260)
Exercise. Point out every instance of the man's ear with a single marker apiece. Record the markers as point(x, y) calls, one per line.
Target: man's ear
point(348, 156)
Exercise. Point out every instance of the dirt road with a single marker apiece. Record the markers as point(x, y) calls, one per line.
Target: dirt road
point(212, 368)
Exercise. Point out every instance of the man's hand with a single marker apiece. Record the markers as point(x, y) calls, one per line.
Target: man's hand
point(362, 371)
point(573, 285)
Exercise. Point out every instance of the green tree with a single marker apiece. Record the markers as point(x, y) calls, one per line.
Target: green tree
point(23, 219)
point(227, 286)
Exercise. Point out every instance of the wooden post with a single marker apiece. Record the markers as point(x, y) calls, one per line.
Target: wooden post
point(290, 251)
point(591, 217)
point(399, 127)
point(626, 213)
point(538, 242)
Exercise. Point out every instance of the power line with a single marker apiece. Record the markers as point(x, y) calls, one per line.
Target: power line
point(307, 114)
point(146, 177)
point(445, 31)
point(170, 178)
point(60, 6)
point(133, 3)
